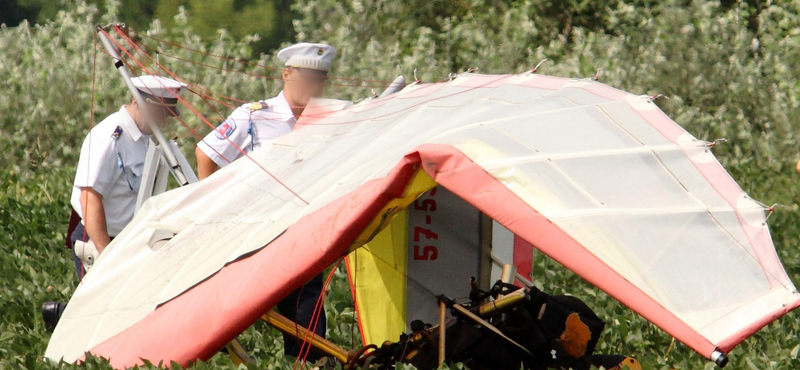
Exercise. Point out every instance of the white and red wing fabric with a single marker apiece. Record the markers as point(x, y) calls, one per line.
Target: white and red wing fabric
point(596, 178)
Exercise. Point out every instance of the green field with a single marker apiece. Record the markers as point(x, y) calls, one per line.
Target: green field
point(729, 68)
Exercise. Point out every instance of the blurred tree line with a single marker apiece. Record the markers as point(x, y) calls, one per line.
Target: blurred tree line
point(270, 19)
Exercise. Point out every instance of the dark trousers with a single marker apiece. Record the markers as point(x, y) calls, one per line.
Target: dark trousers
point(299, 307)
point(78, 234)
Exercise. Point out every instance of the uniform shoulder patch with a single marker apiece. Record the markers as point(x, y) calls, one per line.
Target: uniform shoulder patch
point(225, 130)
point(259, 105)
point(117, 133)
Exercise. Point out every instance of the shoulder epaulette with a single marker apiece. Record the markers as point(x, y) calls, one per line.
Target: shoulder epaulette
point(259, 105)
point(117, 133)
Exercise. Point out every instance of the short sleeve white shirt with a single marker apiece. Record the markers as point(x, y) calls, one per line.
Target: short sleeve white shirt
point(111, 162)
point(247, 129)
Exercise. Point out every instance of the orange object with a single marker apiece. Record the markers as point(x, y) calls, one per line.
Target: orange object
point(575, 336)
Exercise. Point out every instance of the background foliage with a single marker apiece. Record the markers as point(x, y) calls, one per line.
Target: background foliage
point(270, 19)
point(728, 67)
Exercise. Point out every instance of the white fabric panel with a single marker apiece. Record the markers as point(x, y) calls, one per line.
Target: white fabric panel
point(592, 165)
point(444, 263)
point(627, 119)
point(627, 181)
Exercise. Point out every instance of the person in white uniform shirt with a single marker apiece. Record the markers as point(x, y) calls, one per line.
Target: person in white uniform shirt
point(256, 125)
point(109, 173)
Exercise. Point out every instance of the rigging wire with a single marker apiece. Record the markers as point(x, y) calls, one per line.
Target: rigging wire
point(192, 108)
point(244, 62)
point(318, 310)
point(203, 96)
point(85, 236)
point(407, 108)
point(141, 50)
point(124, 35)
point(193, 132)
point(253, 74)
point(135, 45)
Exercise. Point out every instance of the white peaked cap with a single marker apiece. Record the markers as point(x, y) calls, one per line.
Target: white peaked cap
point(307, 55)
point(158, 86)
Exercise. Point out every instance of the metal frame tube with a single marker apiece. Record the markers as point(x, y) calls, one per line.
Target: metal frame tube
point(442, 331)
point(503, 304)
point(162, 142)
point(522, 279)
point(508, 274)
point(289, 327)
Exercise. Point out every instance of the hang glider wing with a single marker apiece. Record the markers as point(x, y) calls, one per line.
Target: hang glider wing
point(596, 178)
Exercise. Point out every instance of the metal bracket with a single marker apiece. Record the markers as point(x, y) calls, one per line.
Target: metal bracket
point(156, 169)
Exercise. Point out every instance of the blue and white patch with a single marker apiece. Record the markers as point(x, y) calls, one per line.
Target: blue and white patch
point(117, 133)
point(225, 130)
